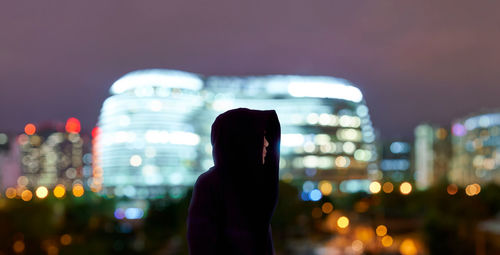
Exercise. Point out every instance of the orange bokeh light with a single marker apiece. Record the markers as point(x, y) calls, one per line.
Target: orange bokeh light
point(452, 189)
point(29, 129)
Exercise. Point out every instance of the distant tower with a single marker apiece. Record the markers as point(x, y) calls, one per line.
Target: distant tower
point(424, 156)
point(146, 141)
point(432, 155)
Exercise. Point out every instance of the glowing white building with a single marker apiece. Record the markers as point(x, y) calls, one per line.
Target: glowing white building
point(146, 141)
point(326, 129)
point(153, 135)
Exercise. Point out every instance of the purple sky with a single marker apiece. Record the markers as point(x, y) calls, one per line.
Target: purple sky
point(415, 61)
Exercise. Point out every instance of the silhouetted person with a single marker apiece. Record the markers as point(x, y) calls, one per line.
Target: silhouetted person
point(233, 202)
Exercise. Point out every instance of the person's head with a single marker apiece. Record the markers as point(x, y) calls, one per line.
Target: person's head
point(244, 137)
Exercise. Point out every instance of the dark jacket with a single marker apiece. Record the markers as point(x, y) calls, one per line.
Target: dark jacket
point(233, 202)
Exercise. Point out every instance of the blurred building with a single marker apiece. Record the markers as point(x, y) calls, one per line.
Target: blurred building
point(476, 149)
point(395, 161)
point(327, 134)
point(153, 135)
point(146, 140)
point(432, 155)
point(53, 153)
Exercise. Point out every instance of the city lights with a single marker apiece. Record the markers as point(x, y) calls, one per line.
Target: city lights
point(41, 192)
point(26, 195)
point(388, 187)
point(10, 193)
point(325, 187)
point(30, 129)
point(405, 188)
point(78, 190)
point(343, 222)
point(327, 208)
point(323, 87)
point(472, 189)
point(73, 125)
point(375, 187)
point(408, 247)
point(452, 189)
point(381, 230)
point(59, 191)
point(387, 241)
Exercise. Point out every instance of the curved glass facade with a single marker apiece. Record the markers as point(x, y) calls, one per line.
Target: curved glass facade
point(146, 141)
point(476, 149)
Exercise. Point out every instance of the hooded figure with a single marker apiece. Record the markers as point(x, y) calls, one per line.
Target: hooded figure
point(233, 202)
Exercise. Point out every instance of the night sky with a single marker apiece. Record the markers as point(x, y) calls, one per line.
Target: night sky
point(415, 61)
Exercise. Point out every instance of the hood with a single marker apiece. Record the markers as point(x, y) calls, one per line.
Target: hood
point(237, 142)
point(237, 138)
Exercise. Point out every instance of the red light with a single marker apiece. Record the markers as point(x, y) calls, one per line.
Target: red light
point(73, 125)
point(29, 129)
point(95, 132)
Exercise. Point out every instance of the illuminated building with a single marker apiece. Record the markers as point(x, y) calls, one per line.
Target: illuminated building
point(327, 133)
point(54, 153)
point(396, 161)
point(153, 135)
point(476, 149)
point(432, 155)
point(146, 141)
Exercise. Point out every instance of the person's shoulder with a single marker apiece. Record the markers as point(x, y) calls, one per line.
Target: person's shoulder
point(206, 179)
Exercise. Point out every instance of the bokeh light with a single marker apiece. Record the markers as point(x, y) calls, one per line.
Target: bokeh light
point(41, 192)
point(472, 189)
point(22, 181)
point(375, 187)
point(381, 230)
point(388, 187)
point(315, 195)
point(343, 222)
point(387, 241)
point(452, 189)
point(26, 195)
point(357, 246)
point(327, 207)
point(18, 246)
point(78, 190)
point(65, 239)
point(10, 193)
point(59, 191)
point(408, 247)
point(135, 160)
point(325, 187)
point(405, 188)
point(73, 125)
point(30, 129)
